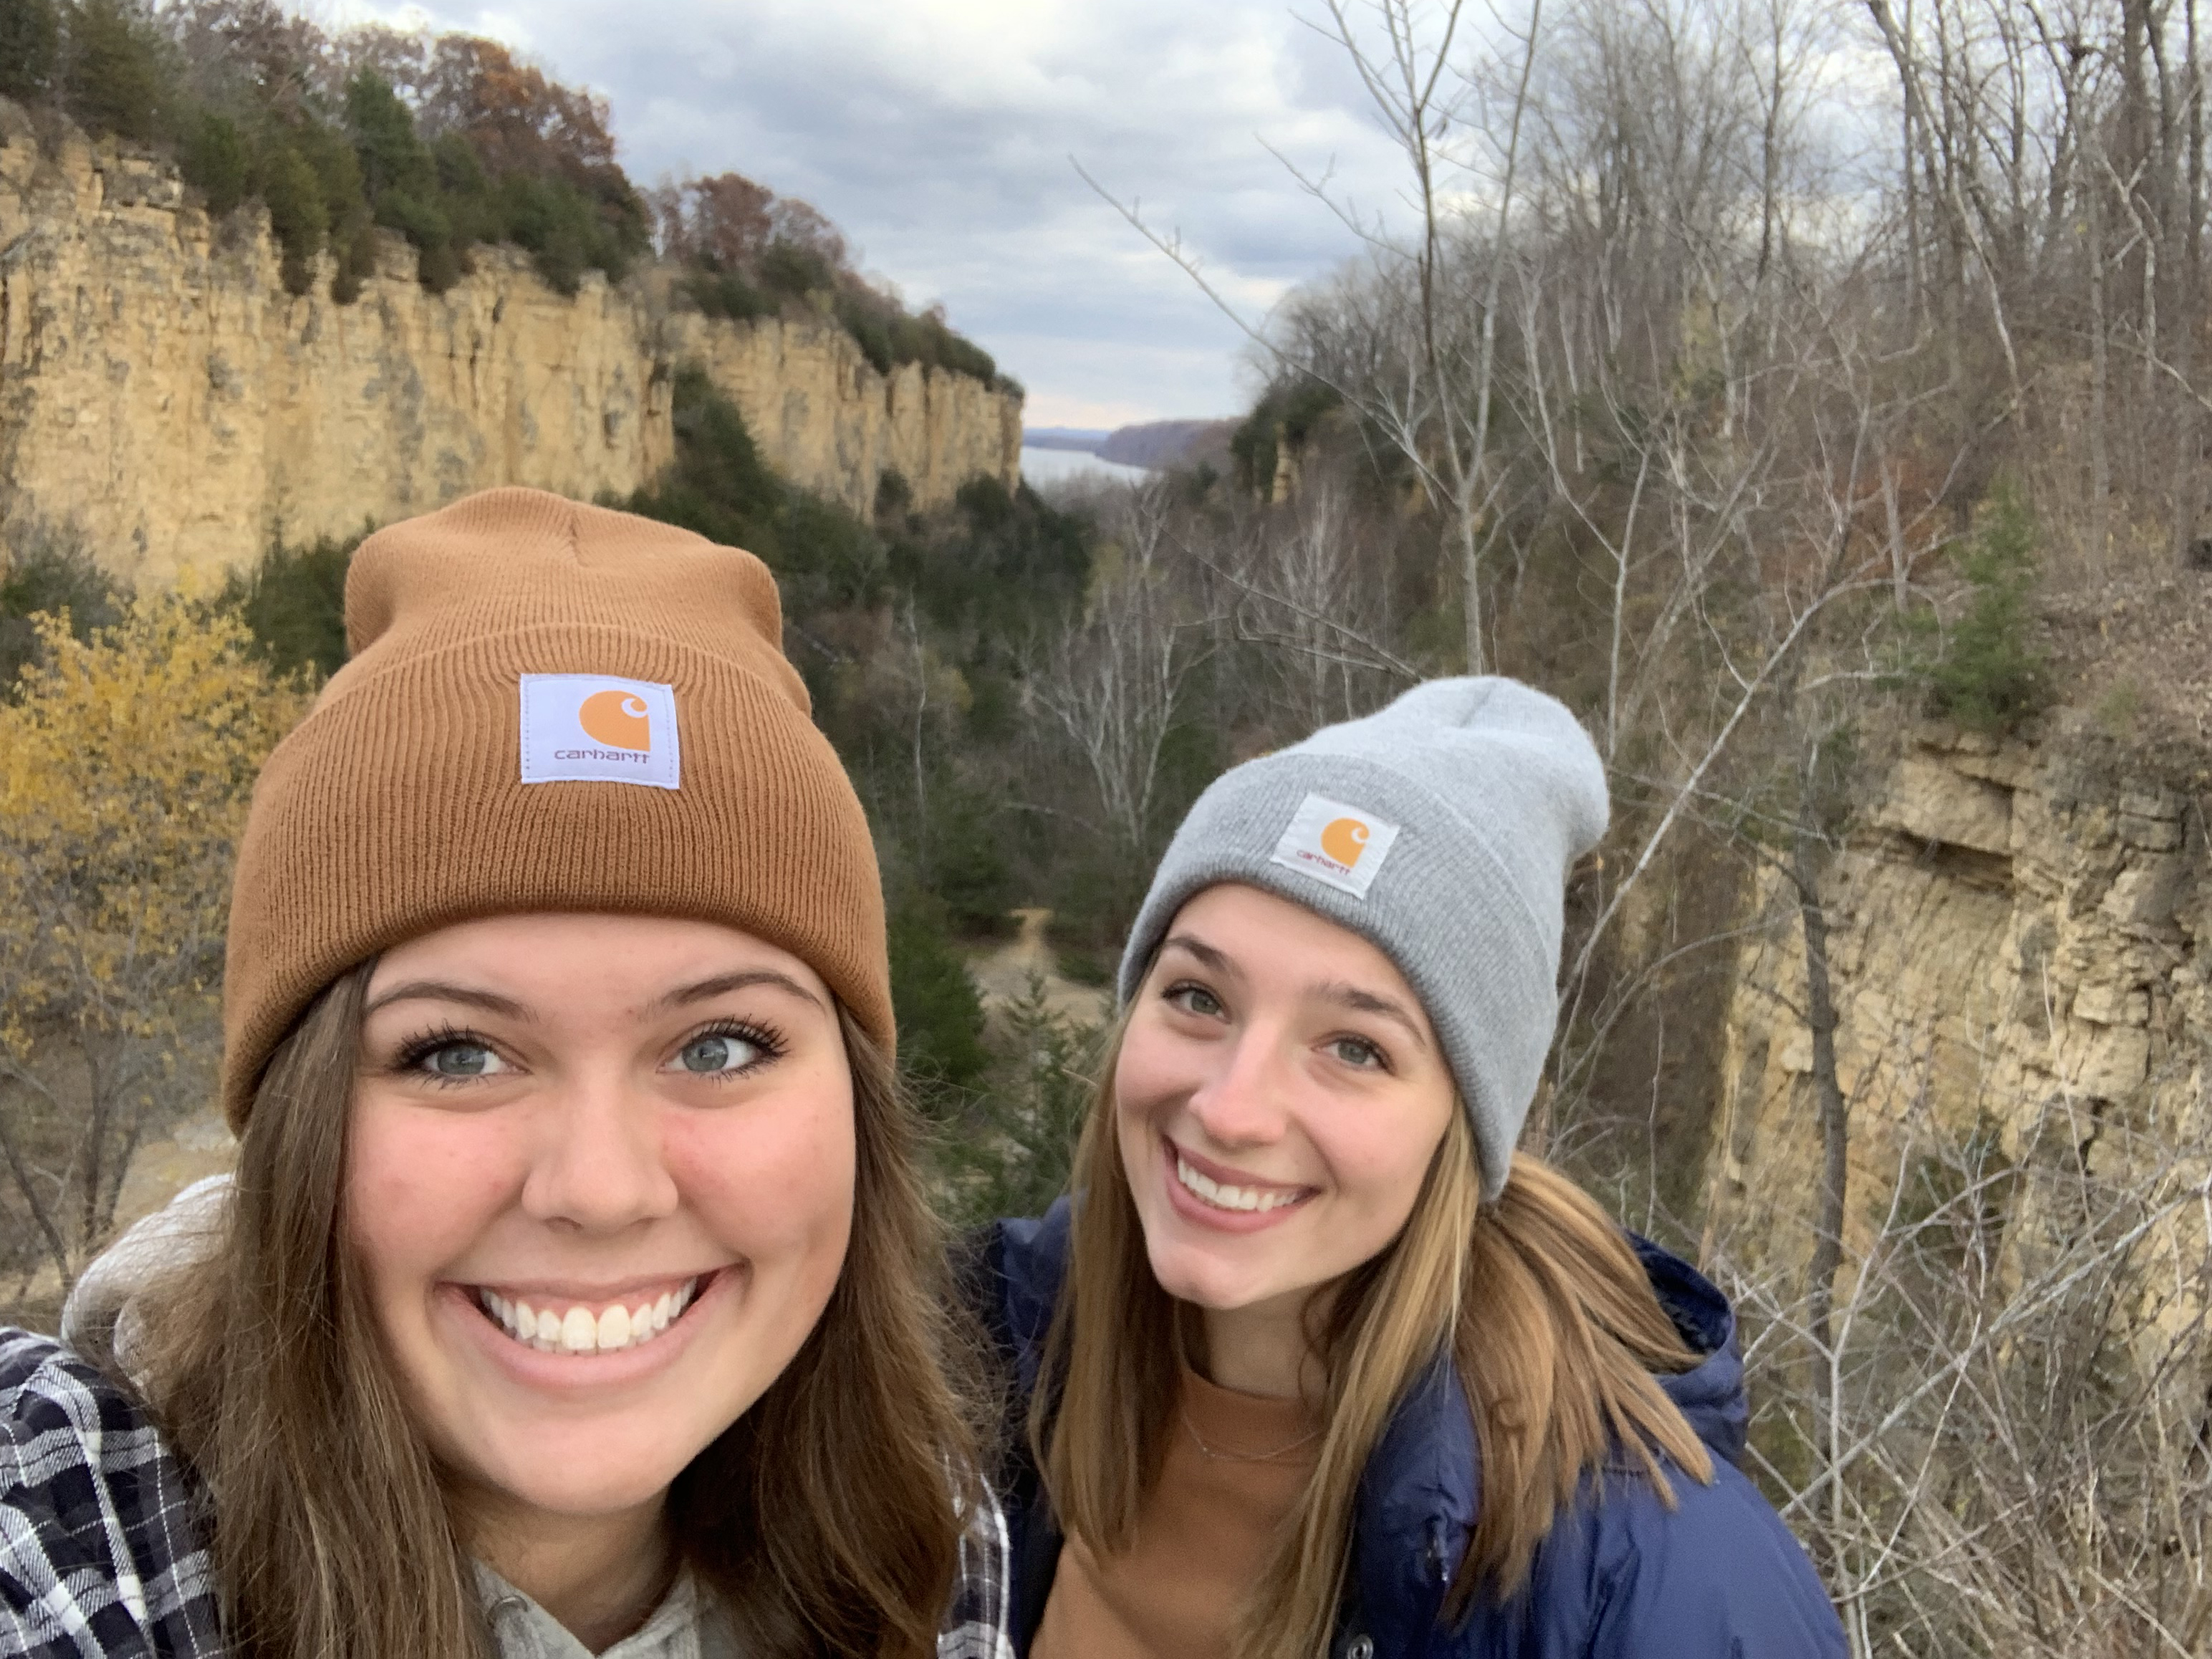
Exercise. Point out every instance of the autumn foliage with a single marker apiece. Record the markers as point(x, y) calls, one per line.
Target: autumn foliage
point(127, 758)
point(451, 141)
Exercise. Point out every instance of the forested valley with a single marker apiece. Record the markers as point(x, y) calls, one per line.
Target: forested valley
point(1797, 389)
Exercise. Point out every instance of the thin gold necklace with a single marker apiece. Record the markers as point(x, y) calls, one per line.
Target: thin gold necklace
point(1217, 1456)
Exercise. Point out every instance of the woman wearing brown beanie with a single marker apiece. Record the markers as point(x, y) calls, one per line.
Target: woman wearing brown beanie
point(574, 1293)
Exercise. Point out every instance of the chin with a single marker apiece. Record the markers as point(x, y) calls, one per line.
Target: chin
point(583, 1487)
point(1194, 1276)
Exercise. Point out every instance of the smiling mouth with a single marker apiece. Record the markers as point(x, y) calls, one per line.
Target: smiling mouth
point(578, 1329)
point(1223, 1196)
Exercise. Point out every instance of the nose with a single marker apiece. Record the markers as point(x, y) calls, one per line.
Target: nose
point(598, 1162)
point(1242, 1103)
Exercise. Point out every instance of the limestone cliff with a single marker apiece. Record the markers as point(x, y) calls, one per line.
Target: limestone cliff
point(162, 394)
point(2014, 927)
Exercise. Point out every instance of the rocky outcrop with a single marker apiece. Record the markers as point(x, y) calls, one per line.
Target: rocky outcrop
point(2016, 927)
point(163, 396)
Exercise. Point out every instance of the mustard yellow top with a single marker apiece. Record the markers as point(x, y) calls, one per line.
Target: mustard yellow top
point(1235, 1463)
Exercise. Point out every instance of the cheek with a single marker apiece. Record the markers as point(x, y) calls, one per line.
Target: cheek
point(1383, 1162)
point(1150, 1073)
point(776, 1187)
point(421, 1186)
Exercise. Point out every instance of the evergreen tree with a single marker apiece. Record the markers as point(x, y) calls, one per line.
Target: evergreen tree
point(115, 81)
point(30, 43)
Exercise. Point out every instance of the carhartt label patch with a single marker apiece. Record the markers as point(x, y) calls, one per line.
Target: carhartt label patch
point(593, 728)
point(1343, 846)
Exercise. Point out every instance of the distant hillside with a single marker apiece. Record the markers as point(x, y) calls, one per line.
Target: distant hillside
point(1081, 439)
point(1160, 444)
point(1153, 444)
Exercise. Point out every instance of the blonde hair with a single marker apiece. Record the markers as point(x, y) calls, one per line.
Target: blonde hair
point(1540, 1301)
point(826, 1518)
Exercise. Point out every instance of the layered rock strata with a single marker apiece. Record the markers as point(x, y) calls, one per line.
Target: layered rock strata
point(166, 401)
point(2019, 940)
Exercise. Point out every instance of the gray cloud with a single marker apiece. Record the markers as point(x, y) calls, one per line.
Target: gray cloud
point(937, 133)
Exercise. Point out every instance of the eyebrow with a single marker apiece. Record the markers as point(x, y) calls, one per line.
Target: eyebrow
point(438, 990)
point(1366, 1002)
point(1208, 958)
point(1343, 995)
point(722, 983)
point(435, 990)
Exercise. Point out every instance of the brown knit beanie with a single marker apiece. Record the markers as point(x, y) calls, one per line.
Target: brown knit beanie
point(547, 707)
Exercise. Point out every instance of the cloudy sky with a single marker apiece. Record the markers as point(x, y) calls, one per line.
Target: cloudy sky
point(938, 134)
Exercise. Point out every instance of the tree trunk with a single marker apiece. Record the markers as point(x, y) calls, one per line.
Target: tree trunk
point(1835, 1121)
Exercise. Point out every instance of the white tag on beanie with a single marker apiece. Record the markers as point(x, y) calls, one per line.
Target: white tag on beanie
point(594, 729)
point(1343, 846)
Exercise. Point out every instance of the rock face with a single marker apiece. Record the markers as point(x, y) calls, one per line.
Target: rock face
point(164, 398)
point(2015, 927)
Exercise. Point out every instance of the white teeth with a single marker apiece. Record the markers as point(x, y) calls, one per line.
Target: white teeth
point(1223, 1196)
point(579, 1331)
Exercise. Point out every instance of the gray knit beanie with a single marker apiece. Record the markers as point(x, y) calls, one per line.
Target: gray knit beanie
point(1441, 829)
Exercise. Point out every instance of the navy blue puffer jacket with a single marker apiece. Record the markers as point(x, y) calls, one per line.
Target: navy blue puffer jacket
point(1619, 1576)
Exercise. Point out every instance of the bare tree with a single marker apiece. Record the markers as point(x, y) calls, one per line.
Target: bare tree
point(1115, 685)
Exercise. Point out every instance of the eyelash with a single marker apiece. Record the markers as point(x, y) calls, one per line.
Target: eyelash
point(409, 1060)
point(771, 1042)
point(1379, 1055)
point(1174, 994)
point(1377, 1058)
point(766, 1038)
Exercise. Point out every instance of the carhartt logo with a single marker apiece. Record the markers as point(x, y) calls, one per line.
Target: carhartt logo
point(1344, 840)
point(1342, 846)
point(593, 728)
point(617, 719)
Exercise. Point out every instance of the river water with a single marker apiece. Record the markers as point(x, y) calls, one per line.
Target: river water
point(1042, 467)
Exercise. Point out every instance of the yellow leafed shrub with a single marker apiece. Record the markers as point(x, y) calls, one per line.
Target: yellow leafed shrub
point(126, 762)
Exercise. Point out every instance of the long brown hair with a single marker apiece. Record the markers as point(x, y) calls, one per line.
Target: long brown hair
point(827, 1518)
point(1551, 1322)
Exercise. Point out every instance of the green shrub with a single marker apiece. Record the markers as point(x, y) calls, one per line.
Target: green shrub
point(297, 217)
point(1009, 1152)
point(215, 161)
point(727, 294)
point(791, 271)
point(870, 329)
point(966, 868)
point(718, 486)
point(1986, 672)
point(561, 227)
point(115, 79)
point(49, 573)
point(940, 1017)
point(382, 128)
point(294, 603)
point(30, 46)
point(1005, 563)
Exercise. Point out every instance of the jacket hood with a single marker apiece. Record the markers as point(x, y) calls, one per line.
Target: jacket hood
point(1422, 1485)
point(1419, 1497)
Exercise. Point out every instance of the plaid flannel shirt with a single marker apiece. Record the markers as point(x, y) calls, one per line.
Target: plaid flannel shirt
point(101, 1541)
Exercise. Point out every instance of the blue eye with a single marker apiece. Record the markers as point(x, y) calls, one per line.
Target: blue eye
point(724, 1052)
point(456, 1059)
point(1357, 1052)
point(1195, 1000)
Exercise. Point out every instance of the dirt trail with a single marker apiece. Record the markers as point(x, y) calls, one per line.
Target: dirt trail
point(1003, 975)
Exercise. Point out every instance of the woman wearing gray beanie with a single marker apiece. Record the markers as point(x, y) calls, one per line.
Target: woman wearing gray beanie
point(1316, 1364)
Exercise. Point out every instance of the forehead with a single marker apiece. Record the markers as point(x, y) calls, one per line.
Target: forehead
point(1270, 940)
point(603, 955)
